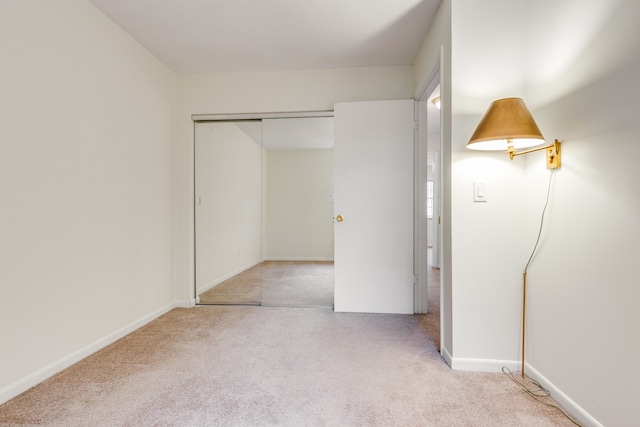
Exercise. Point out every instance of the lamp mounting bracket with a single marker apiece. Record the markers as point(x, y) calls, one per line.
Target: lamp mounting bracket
point(553, 155)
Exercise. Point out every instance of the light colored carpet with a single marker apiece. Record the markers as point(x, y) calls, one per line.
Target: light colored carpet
point(277, 283)
point(431, 321)
point(244, 288)
point(298, 283)
point(260, 366)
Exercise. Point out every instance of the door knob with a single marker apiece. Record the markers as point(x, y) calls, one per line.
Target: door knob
point(339, 218)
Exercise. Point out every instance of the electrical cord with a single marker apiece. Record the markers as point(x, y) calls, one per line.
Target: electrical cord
point(538, 393)
point(546, 203)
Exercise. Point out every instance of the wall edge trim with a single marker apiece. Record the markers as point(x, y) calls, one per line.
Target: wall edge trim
point(575, 410)
point(447, 356)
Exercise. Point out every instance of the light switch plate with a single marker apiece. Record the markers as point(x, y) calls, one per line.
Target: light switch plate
point(479, 191)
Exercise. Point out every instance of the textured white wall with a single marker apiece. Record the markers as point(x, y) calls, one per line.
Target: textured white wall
point(487, 237)
point(580, 79)
point(85, 177)
point(299, 214)
point(584, 335)
point(274, 91)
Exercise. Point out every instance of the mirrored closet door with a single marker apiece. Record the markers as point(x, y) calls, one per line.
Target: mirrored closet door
point(228, 212)
point(264, 212)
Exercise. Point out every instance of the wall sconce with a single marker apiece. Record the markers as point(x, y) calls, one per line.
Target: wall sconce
point(508, 125)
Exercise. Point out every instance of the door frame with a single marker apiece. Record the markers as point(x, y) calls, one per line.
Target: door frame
point(437, 255)
point(233, 117)
point(421, 163)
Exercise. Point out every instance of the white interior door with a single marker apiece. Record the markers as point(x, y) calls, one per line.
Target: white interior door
point(373, 194)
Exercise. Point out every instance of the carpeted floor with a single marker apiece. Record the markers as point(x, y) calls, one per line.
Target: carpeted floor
point(431, 321)
point(244, 289)
point(298, 283)
point(277, 283)
point(259, 366)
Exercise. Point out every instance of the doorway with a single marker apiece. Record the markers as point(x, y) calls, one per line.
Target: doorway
point(428, 211)
point(432, 319)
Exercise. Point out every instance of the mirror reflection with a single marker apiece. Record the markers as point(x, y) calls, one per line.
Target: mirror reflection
point(264, 208)
point(228, 212)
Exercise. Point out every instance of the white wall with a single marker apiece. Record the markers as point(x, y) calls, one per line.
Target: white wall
point(487, 238)
point(229, 194)
point(580, 79)
point(274, 91)
point(584, 333)
point(299, 212)
point(85, 177)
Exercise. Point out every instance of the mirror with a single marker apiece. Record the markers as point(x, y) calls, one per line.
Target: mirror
point(272, 178)
point(228, 212)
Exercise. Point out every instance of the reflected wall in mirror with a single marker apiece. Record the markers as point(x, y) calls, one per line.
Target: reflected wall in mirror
point(228, 238)
point(294, 206)
point(298, 229)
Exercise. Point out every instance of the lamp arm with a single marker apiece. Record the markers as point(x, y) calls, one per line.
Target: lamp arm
point(513, 153)
point(553, 153)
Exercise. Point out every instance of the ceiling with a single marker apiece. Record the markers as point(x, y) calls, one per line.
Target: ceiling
point(207, 36)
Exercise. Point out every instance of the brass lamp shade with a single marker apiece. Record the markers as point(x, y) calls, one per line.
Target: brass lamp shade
point(506, 123)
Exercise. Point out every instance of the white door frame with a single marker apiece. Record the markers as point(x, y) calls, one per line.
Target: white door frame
point(435, 238)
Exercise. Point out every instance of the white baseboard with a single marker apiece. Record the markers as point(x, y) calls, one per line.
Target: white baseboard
point(483, 365)
point(20, 386)
point(489, 365)
point(575, 410)
point(446, 355)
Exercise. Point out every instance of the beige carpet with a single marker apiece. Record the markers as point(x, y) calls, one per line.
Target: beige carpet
point(260, 366)
point(243, 289)
point(298, 283)
point(431, 321)
point(277, 283)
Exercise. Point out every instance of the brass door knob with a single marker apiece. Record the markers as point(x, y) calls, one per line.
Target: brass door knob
point(339, 218)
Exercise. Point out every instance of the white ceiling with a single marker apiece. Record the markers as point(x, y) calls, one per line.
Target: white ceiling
point(204, 36)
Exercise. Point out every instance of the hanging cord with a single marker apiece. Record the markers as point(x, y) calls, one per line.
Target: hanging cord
point(546, 203)
point(538, 393)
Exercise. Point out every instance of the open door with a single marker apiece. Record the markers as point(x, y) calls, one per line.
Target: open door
point(373, 206)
